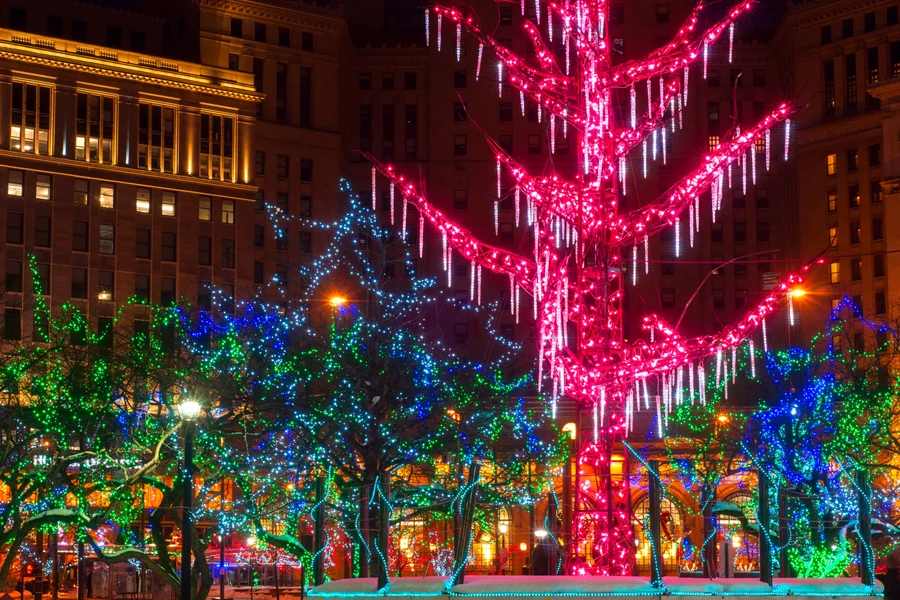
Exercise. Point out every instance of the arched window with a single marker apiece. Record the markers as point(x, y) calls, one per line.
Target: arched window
point(746, 546)
point(672, 530)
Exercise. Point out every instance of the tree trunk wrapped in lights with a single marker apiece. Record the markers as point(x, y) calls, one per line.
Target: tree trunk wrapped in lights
point(583, 243)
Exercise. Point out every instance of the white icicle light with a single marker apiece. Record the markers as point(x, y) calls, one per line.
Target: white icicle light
point(633, 107)
point(765, 337)
point(753, 163)
point(537, 10)
point(392, 203)
point(687, 72)
point(499, 174)
point(596, 424)
point(649, 97)
point(644, 146)
point(791, 309)
point(478, 63)
point(646, 393)
point(623, 176)
point(449, 266)
point(646, 254)
point(734, 364)
point(662, 142)
point(458, 41)
point(500, 78)
point(374, 190)
point(479, 284)
point(403, 221)
point(522, 6)
point(653, 144)
point(730, 42)
point(440, 22)
point(421, 234)
point(427, 27)
point(471, 281)
point(768, 147)
point(496, 217)
point(522, 102)
point(705, 57)
point(752, 360)
point(787, 137)
point(517, 201)
point(677, 237)
point(634, 264)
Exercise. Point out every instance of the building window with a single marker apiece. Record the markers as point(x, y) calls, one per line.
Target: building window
point(829, 88)
point(762, 231)
point(460, 200)
point(168, 204)
point(260, 162)
point(880, 303)
point(142, 243)
point(142, 288)
point(365, 127)
point(107, 195)
point(410, 80)
point(855, 232)
point(878, 265)
point(281, 85)
point(15, 183)
point(714, 141)
point(505, 15)
point(79, 282)
point(156, 138)
point(30, 118)
point(760, 146)
point(259, 32)
point(387, 131)
point(259, 273)
point(228, 254)
point(304, 242)
point(459, 80)
point(852, 160)
point(307, 41)
point(874, 155)
point(82, 191)
point(228, 212)
point(237, 27)
point(856, 269)
point(94, 128)
point(617, 14)
point(715, 232)
point(306, 170)
point(853, 196)
point(738, 201)
point(281, 166)
point(875, 188)
point(13, 275)
point(850, 73)
point(216, 147)
point(42, 231)
point(459, 112)
point(167, 291)
point(662, 14)
point(718, 299)
point(895, 59)
point(204, 250)
point(234, 61)
point(12, 324)
point(506, 112)
point(281, 203)
point(835, 272)
point(831, 199)
point(14, 228)
point(872, 63)
point(412, 129)
point(759, 77)
point(258, 236)
point(142, 200)
point(169, 246)
point(365, 81)
point(667, 297)
point(284, 37)
point(847, 28)
point(740, 232)
point(259, 201)
point(869, 22)
point(306, 207)
point(107, 285)
point(534, 145)
point(877, 228)
point(41, 281)
point(205, 208)
point(833, 237)
point(79, 236)
point(892, 16)
point(460, 145)
point(831, 164)
point(762, 198)
point(259, 67)
point(107, 239)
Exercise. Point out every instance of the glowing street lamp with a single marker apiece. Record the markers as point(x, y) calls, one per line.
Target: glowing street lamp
point(189, 410)
point(337, 301)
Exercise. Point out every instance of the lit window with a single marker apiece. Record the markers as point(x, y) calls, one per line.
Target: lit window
point(228, 211)
point(42, 188)
point(142, 203)
point(107, 196)
point(831, 195)
point(30, 122)
point(831, 164)
point(217, 147)
point(156, 138)
point(94, 128)
point(835, 270)
point(205, 208)
point(16, 184)
point(82, 186)
point(760, 145)
point(833, 237)
point(168, 204)
point(713, 142)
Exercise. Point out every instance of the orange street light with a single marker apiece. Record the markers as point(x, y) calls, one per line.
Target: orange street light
point(798, 292)
point(337, 301)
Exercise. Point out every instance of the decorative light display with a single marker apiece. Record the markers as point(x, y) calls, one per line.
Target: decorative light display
point(577, 271)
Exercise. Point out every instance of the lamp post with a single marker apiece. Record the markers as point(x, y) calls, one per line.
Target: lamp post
point(189, 411)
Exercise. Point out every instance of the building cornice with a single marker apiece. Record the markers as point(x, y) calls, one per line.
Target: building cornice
point(296, 13)
point(888, 90)
point(817, 11)
point(827, 130)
